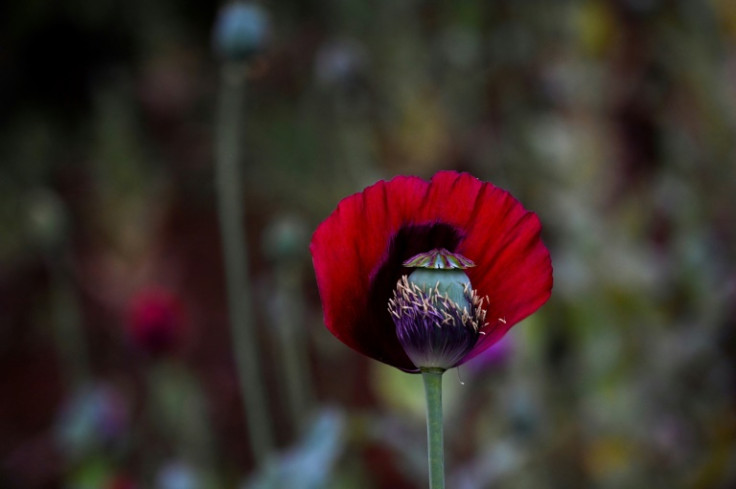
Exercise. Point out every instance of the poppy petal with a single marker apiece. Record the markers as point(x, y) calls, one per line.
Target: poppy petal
point(347, 249)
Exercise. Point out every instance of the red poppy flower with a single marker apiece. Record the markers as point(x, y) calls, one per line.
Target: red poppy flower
point(364, 248)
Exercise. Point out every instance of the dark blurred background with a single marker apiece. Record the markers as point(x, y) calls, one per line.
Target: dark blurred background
point(612, 119)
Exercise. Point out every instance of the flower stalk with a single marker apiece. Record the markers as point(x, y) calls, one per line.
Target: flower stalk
point(69, 333)
point(435, 440)
point(292, 340)
point(231, 211)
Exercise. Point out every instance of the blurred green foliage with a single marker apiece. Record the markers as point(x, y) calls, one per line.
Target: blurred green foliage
point(612, 119)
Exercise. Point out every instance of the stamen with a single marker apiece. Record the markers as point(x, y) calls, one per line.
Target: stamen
point(434, 329)
point(459, 379)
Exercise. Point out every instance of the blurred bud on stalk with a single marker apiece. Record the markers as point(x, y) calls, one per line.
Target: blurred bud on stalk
point(286, 239)
point(48, 222)
point(241, 31)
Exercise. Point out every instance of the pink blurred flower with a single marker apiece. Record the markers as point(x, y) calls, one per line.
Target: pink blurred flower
point(156, 321)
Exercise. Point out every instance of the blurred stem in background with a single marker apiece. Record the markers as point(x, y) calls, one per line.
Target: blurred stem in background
point(176, 410)
point(435, 440)
point(48, 227)
point(70, 337)
point(231, 211)
point(285, 241)
point(298, 384)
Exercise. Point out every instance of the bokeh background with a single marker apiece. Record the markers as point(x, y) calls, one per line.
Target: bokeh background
point(614, 120)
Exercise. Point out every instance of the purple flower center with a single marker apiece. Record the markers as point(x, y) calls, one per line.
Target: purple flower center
point(438, 316)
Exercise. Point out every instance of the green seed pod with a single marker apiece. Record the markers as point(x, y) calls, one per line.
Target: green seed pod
point(241, 31)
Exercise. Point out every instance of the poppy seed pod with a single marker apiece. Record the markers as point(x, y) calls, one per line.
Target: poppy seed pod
point(241, 31)
point(285, 238)
point(437, 314)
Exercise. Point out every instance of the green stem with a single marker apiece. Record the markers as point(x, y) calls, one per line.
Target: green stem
point(70, 336)
point(231, 211)
point(296, 365)
point(435, 450)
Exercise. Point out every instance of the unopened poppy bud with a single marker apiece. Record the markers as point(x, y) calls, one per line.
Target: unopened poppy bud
point(437, 314)
point(241, 31)
point(285, 238)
